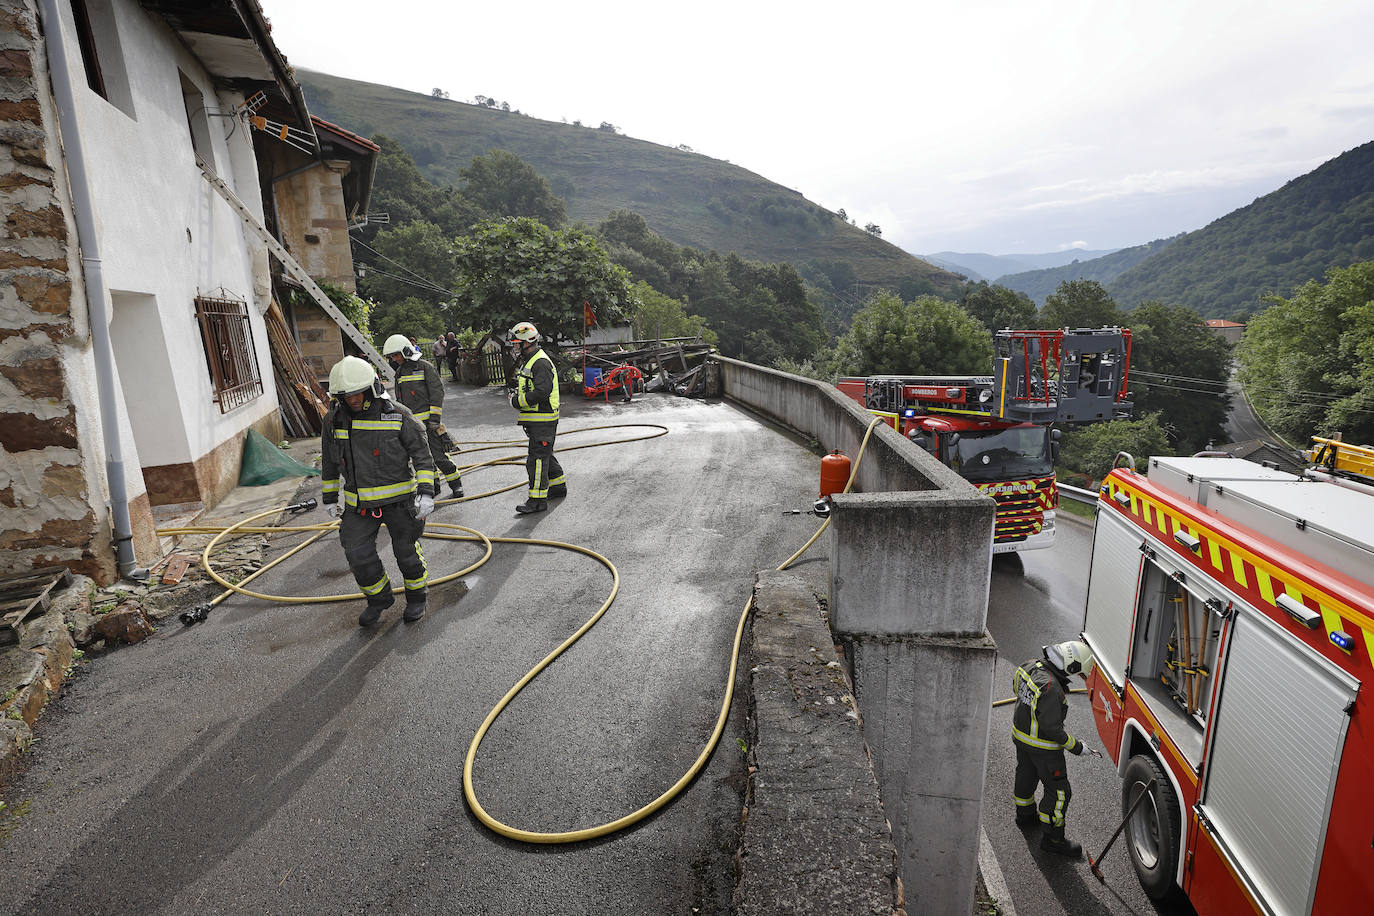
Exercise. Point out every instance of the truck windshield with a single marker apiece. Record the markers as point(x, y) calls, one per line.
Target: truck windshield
point(1021, 451)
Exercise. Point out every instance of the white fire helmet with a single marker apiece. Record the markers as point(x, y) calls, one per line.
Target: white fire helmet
point(1072, 657)
point(399, 343)
point(351, 375)
point(524, 332)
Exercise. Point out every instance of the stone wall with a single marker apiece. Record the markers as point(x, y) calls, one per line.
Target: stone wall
point(48, 493)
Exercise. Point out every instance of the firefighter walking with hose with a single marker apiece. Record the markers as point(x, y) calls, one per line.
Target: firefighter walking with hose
point(536, 398)
point(375, 453)
point(1037, 729)
point(418, 387)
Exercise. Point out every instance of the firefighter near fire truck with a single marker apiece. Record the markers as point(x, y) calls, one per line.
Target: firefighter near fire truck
point(376, 469)
point(999, 431)
point(535, 396)
point(419, 388)
point(1041, 687)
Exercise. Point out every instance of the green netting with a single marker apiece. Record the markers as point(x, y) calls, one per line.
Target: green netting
point(263, 462)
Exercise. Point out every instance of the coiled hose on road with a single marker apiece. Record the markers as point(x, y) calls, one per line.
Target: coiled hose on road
point(469, 790)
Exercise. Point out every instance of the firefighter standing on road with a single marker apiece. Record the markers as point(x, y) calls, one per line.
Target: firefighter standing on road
point(536, 397)
point(374, 452)
point(1037, 728)
point(418, 387)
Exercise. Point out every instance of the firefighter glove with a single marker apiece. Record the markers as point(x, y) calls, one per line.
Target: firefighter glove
point(334, 510)
point(424, 505)
point(1077, 749)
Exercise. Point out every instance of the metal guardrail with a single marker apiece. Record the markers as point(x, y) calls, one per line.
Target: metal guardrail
point(1078, 494)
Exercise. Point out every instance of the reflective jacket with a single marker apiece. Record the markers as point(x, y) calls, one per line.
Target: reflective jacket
point(419, 389)
point(1041, 706)
point(536, 390)
point(376, 457)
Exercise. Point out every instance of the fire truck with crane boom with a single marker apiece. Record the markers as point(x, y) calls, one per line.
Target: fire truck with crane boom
point(997, 431)
point(1230, 608)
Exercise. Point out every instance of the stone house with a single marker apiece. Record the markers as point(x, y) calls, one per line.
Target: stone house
point(317, 199)
point(134, 356)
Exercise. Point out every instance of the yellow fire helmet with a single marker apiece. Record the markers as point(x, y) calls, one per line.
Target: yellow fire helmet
point(351, 375)
point(1072, 657)
point(399, 343)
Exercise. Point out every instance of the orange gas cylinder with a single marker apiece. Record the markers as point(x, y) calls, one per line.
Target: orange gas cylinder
point(834, 473)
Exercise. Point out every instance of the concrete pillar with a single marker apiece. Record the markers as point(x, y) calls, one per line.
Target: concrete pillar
point(909, 591)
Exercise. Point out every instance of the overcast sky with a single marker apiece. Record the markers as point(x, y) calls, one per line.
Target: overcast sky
point(975, 125)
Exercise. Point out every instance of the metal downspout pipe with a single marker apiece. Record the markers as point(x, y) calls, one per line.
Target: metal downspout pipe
point(97, 293)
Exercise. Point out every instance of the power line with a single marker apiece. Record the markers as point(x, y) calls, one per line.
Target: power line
point(1216, 394)
point(1208, 381)
point(426, 285)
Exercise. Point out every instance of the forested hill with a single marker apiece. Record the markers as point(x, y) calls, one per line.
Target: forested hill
point(689, 198)
point(1321, 220)
point(1039, 284)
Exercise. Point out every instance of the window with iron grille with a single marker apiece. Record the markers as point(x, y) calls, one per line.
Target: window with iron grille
point(229, 352)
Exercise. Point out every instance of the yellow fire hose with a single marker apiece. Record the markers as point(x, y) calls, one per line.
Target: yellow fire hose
point(469, 791)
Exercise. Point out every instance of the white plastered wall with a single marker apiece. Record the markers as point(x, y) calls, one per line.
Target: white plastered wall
point(166, 236)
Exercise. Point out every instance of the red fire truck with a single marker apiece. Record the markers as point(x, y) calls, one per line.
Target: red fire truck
point(995, 430)
point(1231, 610)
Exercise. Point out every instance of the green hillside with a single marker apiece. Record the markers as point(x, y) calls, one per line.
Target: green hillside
point(686, 197)
point(1038, 284)
point(1322, 220)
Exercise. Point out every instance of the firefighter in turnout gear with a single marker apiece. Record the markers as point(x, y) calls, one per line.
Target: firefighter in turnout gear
point(418, 387)
point(1041, 687)
point(374, 453)
point(536, 397)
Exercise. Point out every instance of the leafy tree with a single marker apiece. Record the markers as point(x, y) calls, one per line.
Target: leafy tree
point(1173, 341)
point(1079, 304)
point(874, 229)
point(516, 270)
point(998, 307)
point(503, 184)
point(438, 93)
point(842, 215)
point(1307, 362)
point(929, 336)
point(412, 317)
point(413, 260)
point(659, 316)
point(1091, 449)
point(401, 191)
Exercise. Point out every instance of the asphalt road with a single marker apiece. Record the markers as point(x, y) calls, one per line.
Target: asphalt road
point(1037, 598)
point(277, 758)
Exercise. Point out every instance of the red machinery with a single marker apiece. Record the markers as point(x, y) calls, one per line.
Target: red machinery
point(621, 378)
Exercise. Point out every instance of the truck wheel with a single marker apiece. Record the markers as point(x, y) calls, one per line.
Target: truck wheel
point(1152, 833)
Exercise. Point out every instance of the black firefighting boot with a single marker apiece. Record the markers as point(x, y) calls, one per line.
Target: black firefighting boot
point(456, 489)
point(532, 505)
point(1054, 841)
point(1026, 816)
point(558, 490)
point(374, 608)
point(415, 605)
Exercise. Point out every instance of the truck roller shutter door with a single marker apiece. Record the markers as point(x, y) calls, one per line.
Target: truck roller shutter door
point(1111, 593)
point(1274, 749)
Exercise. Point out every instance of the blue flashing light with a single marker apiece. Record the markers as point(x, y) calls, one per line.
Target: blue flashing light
point(1342, 640)
point(908, 412)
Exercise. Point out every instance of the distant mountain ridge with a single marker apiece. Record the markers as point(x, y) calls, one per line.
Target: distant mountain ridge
point(1039, 284)
point(1317, 221)
point(990, 267)
point(688, 198)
